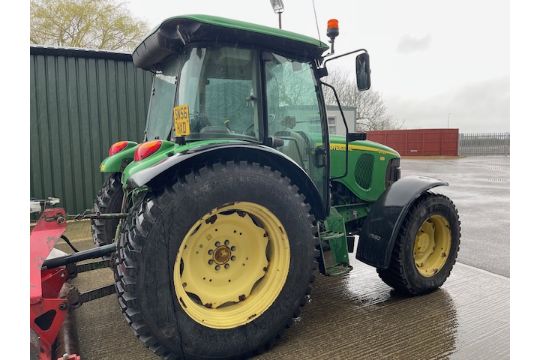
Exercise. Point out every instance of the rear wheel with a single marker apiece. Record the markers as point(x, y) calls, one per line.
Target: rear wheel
point(426, 247)
point(109, 200)
point(218, 263)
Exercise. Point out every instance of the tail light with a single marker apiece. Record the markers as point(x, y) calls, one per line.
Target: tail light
point(145, 150)
point(117, 147)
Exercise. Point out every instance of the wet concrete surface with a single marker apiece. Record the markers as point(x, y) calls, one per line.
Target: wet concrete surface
point(480, 188)
point(351, 317)
point(357, 316)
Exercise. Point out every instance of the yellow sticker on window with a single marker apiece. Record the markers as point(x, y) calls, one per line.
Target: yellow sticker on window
point(181, 120)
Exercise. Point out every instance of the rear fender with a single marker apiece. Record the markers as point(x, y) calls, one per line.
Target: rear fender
point(381, 227)
point(119, 161)
point(264, 155)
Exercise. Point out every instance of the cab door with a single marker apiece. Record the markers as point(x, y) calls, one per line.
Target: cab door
point(295, 115)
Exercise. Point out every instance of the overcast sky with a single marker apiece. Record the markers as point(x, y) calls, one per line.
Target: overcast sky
point(429, 58)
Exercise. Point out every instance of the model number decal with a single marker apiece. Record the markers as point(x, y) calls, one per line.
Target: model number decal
point(341, 147)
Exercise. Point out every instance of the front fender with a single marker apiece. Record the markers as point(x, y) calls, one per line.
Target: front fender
point(264, 155)
point(382, 225)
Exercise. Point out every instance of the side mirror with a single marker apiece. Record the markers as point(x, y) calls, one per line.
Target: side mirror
point(356, 136)
point(363, 72)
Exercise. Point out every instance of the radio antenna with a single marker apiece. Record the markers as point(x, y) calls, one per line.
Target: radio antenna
point(316, 20)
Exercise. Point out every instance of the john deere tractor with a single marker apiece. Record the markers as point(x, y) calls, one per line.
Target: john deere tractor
point(238, 194)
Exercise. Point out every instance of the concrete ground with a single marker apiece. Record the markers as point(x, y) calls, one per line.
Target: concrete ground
point(480, 188)
point(357, 316)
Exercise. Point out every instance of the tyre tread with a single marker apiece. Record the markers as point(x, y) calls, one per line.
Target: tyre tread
point(104, 200)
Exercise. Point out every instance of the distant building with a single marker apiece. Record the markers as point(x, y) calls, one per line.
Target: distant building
point(335, 122)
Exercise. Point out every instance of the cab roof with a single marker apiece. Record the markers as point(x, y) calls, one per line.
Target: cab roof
point(174, 33)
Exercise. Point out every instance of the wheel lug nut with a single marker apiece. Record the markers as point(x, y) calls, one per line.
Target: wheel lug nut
point(226, 266)
point(217, 243)
point(210, 262)
point(233, 248)
point(226, 242)
point(233, 258)
point(217, 267)
point(210, 252)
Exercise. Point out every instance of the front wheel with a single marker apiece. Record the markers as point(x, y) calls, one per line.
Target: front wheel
point(426, 247)
point(216, 264)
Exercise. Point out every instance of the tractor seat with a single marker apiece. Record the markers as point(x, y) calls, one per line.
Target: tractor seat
point(215, 129)
point(295, 146)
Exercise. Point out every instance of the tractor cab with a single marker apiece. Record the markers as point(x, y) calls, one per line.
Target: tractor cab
point(219, 81)
point(221, 90)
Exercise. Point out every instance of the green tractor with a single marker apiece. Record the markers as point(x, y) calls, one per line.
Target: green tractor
point(238, 194)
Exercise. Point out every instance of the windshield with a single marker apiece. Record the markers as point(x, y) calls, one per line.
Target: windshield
point(159, 120)
point(219, 85)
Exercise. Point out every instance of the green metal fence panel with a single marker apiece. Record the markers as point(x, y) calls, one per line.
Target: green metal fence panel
point(81, 101)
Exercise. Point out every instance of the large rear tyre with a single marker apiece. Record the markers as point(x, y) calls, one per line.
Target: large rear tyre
point(218, 263)
point(426, 247)
point(109, 200)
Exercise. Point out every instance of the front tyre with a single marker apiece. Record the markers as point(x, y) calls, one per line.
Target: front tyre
point(216, 264)
point(426, 247)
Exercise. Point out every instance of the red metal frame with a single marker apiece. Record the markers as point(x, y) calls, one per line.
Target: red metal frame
point(45, 285)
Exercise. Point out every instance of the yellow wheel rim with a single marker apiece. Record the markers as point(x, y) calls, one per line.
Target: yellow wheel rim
point(432, 245)
point(231, 265)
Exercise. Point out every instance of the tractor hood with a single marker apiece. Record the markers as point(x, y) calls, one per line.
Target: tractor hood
point(177, 32)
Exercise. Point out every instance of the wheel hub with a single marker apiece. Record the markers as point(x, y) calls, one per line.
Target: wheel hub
point(222, 254)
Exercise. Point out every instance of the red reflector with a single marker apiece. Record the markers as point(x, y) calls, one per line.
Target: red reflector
point(145, 150)
point(117, 147)
point(333, 24)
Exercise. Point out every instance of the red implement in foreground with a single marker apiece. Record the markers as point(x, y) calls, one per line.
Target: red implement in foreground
point(52, 297)
point(47, 308)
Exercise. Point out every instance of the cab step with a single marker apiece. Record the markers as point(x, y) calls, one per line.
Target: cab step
point(332, 244)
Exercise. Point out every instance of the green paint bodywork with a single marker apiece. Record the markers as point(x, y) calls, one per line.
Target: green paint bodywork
point(120, 160)
point(167, 148)
point(246, 26)
point(381, 156)
point(352, 212)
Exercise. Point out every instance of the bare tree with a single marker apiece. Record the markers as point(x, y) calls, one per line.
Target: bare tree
point(98, 24)
point(370, 111)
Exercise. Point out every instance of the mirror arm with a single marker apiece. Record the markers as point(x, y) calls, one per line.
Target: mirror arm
point(340, 55)
point(346, 132)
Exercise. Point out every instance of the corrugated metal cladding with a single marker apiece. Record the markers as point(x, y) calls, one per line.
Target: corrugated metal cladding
point(419, 142)
point(80, 103)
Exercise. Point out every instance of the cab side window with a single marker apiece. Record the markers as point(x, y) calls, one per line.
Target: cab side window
point(294, 113)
